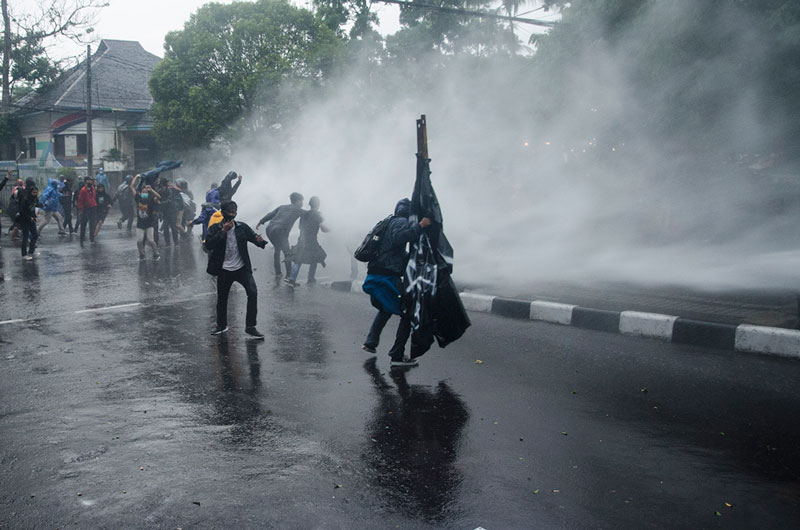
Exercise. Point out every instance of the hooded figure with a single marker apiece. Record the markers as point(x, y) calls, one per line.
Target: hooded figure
point(384, 281)
point(51, 204)
point(227, 190)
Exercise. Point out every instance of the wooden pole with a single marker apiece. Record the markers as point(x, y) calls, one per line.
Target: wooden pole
point(89, 146)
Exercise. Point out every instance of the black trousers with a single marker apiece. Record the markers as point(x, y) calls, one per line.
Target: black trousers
point(401, 337)
point(89, 215)
point(225, 281)
point(29, 237)
point(280, 241)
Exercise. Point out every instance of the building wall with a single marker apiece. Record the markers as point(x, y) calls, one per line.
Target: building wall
point(44, 127)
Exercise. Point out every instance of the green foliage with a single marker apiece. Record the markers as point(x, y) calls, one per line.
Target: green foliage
point(67, 173)
point(232, 60)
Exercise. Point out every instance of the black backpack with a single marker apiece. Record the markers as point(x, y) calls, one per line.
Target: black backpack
point(369, 249)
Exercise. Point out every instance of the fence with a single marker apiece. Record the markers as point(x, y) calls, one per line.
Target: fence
point(24, 171)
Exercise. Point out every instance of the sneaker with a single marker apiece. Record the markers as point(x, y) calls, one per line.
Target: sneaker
point(141, 257)
point(405, 361)
point(119, 225)
point(253, 333)
point(156, 257)
point(368, 348)
point(290, 283)
point(219, 331)
point(27, 258)
point(62, 233)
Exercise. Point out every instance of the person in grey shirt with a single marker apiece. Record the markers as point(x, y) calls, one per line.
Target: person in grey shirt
point(281, 220)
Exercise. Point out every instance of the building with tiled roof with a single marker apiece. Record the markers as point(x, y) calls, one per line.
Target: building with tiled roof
point(53, 124)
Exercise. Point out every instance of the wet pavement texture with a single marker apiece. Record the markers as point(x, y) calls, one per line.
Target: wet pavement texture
point(120, 410)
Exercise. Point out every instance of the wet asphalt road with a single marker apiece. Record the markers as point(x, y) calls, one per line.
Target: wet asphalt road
point(118, 410)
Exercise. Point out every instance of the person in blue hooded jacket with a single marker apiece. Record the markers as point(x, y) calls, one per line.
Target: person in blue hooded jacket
point(51, 204)
point(385, 286)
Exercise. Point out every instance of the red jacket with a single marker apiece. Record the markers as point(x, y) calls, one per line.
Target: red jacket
point(86, 198)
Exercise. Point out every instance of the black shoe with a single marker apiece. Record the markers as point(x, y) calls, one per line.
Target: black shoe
point(290, 283)
point(219, 331)
point(368, 348)
point(253, 333)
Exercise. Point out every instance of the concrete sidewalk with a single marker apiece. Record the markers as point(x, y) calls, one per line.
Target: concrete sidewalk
point(756, 322)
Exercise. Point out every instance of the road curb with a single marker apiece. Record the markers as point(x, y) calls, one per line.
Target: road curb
point(669, 328)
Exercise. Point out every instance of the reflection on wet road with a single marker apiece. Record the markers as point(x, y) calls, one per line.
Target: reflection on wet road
point(120, 410)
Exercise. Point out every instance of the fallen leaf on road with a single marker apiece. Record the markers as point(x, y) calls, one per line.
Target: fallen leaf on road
point(478, 361)
point(562, 432)
point(718, 514)
point(536, 491)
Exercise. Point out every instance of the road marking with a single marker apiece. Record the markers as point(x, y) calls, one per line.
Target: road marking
point(15, 321)
point(107, 308)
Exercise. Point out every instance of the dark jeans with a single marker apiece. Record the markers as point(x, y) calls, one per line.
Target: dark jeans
point(400, 339)
point(89, 215)
point(127, 215)
point(167, 225)
point(29, 237)
point(281, 243)
point(67, 207)
point(312, 272)
point(225, 280)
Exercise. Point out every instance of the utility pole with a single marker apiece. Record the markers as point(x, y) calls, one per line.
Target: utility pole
point(6, 56)
point(89, 168)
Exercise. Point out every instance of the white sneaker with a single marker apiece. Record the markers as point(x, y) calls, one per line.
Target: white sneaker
point(28, 257)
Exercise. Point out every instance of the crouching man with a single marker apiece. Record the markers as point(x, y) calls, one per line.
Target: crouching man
point(229, 261)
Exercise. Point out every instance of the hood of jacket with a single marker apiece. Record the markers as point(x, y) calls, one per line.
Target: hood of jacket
point(403, 208)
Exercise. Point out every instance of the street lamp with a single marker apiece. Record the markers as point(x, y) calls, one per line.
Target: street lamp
point(16, 162)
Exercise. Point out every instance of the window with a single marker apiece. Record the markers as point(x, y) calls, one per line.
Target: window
point(69, 145)
point(31, 148)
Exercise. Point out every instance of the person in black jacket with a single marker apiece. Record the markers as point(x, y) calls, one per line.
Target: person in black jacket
point(281, 220)
point(384, 282)
point(229, 261)
point(226, 189)
point(26, 218)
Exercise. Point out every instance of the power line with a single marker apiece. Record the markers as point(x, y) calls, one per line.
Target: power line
point(467, 12)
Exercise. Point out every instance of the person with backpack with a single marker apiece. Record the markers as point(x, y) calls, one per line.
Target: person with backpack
point(281, 220)
point(386, 264)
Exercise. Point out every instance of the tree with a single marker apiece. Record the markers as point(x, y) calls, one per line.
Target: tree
point(232, 61)
point(27, 37)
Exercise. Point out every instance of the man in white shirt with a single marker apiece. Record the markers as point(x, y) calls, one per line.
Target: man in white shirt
point(229, 261)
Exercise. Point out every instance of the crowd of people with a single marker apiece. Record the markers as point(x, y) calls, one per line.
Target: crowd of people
point(160, 205)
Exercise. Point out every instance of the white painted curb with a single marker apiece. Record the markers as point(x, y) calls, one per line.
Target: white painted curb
point(761, 339)
point(652, 325)
point(477, 302)
point(552, 312)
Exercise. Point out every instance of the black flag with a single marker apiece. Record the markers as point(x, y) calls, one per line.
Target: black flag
point(435, 309)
